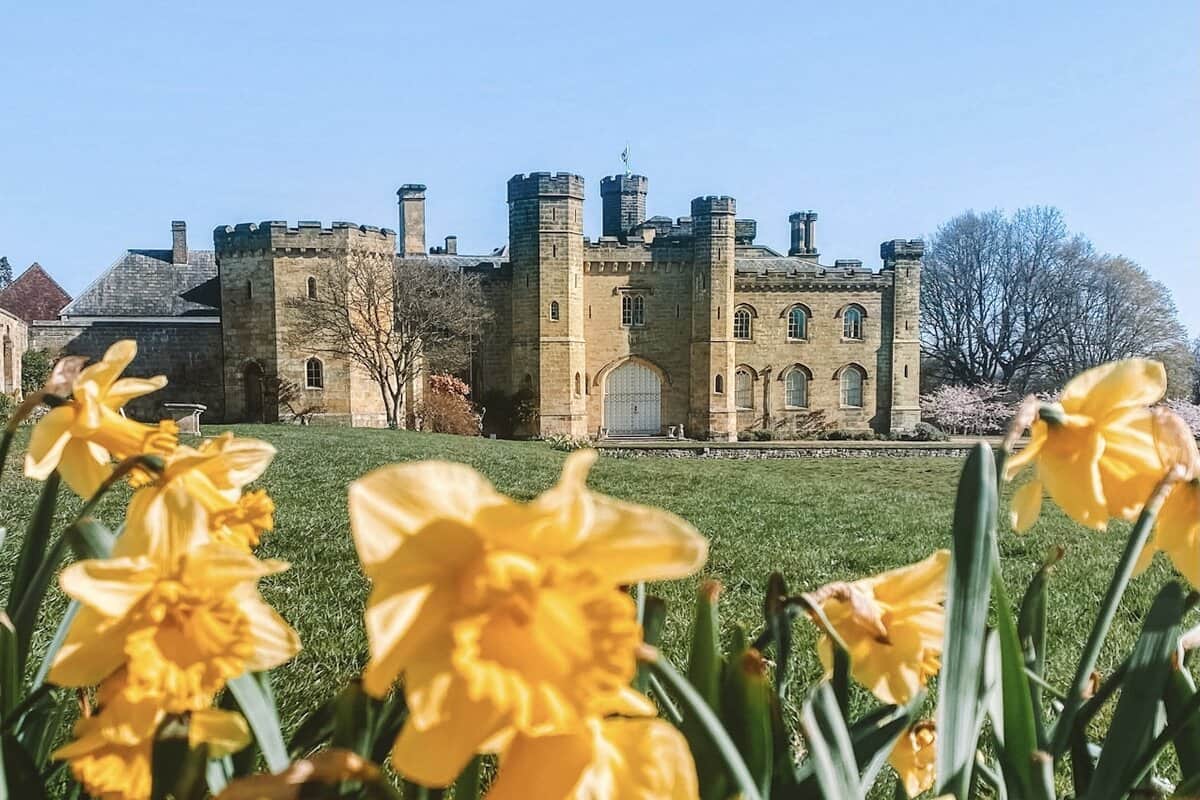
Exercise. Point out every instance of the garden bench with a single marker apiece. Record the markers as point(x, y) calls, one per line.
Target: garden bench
point(186, 415)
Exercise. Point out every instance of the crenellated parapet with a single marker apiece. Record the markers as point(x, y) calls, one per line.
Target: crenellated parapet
point(901, 250)
point(545, 184)
point(713, 205)
point(306, 236)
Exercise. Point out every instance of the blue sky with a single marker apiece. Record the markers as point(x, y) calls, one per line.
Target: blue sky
point(887, 118)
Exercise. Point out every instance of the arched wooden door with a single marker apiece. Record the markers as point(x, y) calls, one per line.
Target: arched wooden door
point(633, 401)
point(253, 385)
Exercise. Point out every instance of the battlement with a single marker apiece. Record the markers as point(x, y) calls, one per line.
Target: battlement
point(305, 235)
point(545, 184)
point(712, 204)
point(901, 250)
point(624, 184)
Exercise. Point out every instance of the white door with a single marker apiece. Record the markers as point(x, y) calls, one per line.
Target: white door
point(633, 401)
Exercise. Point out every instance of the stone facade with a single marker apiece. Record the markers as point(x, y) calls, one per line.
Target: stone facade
point(263, 267)
point(14, 341)
point(726, 335)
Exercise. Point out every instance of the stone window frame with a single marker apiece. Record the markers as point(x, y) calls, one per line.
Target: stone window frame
point(844, 314)
point(633, 309)
point(309, 374)
point(719, 384)
point(741, 392)
point(747, 313)
point(786, 377)
point(786, 316)
point(555, 314)
point(840, 375)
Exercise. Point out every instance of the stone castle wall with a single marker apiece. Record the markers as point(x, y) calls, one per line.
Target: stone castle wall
point(14, 341)
point(189, 354)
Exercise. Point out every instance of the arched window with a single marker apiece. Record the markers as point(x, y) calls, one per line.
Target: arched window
point(312, 288)
point(852, 323)
point(314, 374)
point(633, 310)
point(852, 387)
point(743, 389)
point(639, 310)
point(741, 324)
point(578, 385)
point(720, 385)
point(796, 386)
point(797, 325)
point(554, 310)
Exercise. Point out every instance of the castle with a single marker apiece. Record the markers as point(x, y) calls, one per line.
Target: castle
point(658, 325)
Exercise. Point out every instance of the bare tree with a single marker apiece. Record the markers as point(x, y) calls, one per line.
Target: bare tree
point(381, 316)
point(992, 294)
point(1116, 310)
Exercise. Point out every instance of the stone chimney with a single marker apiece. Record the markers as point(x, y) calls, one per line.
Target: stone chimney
point(451, 246)
point(179, 251)
point(803, 232)
point(412, 219)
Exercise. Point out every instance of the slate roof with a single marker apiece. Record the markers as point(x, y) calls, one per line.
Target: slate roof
point(144, 283)
point(460, 262)
point(34, 295)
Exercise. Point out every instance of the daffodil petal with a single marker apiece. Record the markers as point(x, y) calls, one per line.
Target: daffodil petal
point(1120, 384)
point(126, 389)
point(1026, 506)
point(275, 642)
point(1018, 460)
point(84, 467)
point(922, 582)
point(224, 732)
point(435, 755)
point(627, 543)
point(111, 586)
point(238, 462)
point(545, 767)
point(105, 371)
point(91, 652)
point(47, 442)
point(398, 625)
point(395, 502)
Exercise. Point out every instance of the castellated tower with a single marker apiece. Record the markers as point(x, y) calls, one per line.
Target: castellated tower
point(545, 234)
point(903, 258)
point(624, 202)
point(261, 268)
point(712, 414)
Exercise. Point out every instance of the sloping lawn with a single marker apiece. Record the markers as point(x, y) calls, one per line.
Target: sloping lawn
point(815, 520)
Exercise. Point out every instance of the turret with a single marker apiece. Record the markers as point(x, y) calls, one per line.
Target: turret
point(545, 234)
point(711, 406)
point(903, 259)
point(624, 200)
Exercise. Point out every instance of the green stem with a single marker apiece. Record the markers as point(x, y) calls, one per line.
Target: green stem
point(469, 783)
point(694, 704)
point(5, 443)
point(668, 706)
point(1165, 737)
point(1108, 610)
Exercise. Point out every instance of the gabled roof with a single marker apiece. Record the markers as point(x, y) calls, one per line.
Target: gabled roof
point(34, 295)
point(144, 283)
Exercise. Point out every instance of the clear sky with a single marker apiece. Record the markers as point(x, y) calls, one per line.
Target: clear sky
point(887, 118)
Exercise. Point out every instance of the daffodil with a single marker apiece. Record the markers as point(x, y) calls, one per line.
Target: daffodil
point(184, 616)
point(213, 476)
point(616, 759)
point(892, 626)
point(330, 766)
point(81, 437)
point(913, 758)
point(1094, 453)
point(111, 752)
point(504, 617)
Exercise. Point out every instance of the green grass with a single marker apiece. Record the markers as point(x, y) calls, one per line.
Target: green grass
point(815, 520)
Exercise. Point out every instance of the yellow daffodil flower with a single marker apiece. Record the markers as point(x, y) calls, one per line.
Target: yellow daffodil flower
point(81, 437)
point(213, 476)
point(111, 752)
point(184, 616)
point(621, 759)
point(504, 617)
point(913, 758)
point(330, 766)
point(1097, 457)
point(892, 626)
point(1177, 528)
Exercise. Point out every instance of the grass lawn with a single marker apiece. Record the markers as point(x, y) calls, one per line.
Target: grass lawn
point(816, 520)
